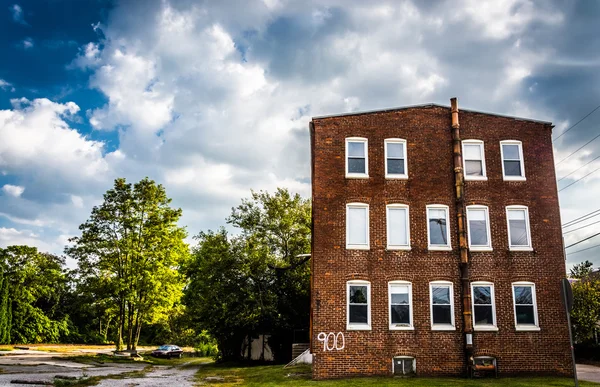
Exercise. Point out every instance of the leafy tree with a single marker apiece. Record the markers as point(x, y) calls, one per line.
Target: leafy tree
point(128, 255)
point(581, 270)
point(256, 282)
point(33, 287)
point(586, 307)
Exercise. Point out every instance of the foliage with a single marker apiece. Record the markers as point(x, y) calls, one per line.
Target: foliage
point(128, 254)
point(581, 270)
point(33, 288)
point(205, 345)
point(253, 283)
point(586, 307)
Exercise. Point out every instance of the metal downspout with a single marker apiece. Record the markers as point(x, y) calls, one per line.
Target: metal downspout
point(462, 237)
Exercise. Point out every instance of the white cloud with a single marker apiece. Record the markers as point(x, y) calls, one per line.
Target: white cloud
point(4, 85)
point(13, 190)
point(27, 43)
point(17, 14)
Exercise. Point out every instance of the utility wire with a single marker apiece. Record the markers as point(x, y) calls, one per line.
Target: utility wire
point(577, 220)
point(580, 148)
point(581, 178)
point(579, 228)
point(587, 248)
point(589, 162)
point(577, 123)
point(583, 240)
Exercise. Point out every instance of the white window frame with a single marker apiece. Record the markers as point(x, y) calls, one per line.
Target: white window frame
point(494, 326)
point(483, 167)
point(395, 175)
point(387, 226)
point(356, 326)
point(448, 246)
point(521, 160)
point(536, 326)
point(366, 147)
point(488, 228)
point(356, 246)
point(414, 361)
point(395, 327)
point(442, 327)
point(529, 246)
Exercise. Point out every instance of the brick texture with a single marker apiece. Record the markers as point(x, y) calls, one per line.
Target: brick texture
point(431, 181)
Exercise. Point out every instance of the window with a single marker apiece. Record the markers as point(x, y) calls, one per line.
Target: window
point(484, 309)
point(517, 218)
point(512, 160)
point(403, 365)
point(398, 233)
point(395, 159)
point(474, 160)
point(359, 305)
point(357, 226)
point(357, 160)
point(400, 298)
point(437, 227)
point(442, 305)
point(526, 318)
point(478, 226)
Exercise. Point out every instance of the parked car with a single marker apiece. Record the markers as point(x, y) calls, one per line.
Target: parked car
point(168, 351)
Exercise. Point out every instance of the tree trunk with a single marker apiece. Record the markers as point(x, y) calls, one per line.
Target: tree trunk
point(138, 329)
point(130, 326)
point(121, 327)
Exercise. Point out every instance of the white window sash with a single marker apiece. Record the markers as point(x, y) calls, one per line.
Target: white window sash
point(365, 143)
point(485, 210)
point(358, 326)
point(448, 245)
point(387, 157)
point(481, 159)
point(484, 327)
point(525, 211)
point(519, 145)
point(389, 229)
point(397, 327)
point(442, 326)
point(535, 326)
point(350, 245)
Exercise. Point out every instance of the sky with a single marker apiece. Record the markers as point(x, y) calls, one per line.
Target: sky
point(213, 99)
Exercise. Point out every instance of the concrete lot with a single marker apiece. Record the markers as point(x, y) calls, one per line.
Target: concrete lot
point(588, 373)
point(45, 366)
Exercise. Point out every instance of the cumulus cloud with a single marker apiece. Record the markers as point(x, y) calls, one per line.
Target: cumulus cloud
point(13, 190)
point(214, 99)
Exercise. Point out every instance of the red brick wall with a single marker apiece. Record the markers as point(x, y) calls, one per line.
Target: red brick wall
point(431, 181)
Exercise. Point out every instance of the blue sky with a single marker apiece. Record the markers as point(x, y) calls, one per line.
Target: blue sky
point(90, 91)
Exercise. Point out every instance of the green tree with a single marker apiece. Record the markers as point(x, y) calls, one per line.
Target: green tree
point(581, 270)
point(257, 282)
point(128, 255)
point(33, 287)
point(586, 307)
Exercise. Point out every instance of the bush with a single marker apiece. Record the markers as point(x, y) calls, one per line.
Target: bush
point(205, 345)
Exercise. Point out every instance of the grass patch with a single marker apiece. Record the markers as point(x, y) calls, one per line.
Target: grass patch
point(186, 361)
point(94, 380)
point(5, 348)
point(301, 376)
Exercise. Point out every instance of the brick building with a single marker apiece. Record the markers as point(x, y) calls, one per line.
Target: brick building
point(437, 245)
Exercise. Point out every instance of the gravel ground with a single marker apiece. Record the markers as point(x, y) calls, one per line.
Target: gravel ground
point(44, 366)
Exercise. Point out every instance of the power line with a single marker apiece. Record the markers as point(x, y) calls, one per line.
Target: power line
point(589, 162)
point(580, 219)
point(580, 148)
point(577, 123)
point(587, 248)
point(583, 240)
point(581, 178)
point(579, 228)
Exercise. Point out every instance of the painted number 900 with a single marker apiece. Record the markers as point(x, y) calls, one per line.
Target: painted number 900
point(332, 341)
